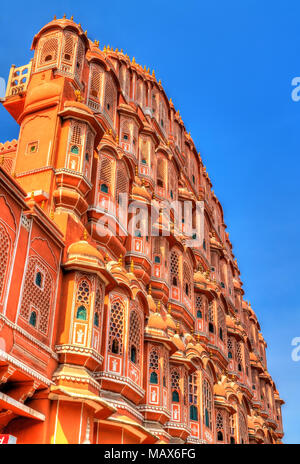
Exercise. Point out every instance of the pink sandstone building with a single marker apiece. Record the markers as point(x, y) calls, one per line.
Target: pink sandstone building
point(108, 337)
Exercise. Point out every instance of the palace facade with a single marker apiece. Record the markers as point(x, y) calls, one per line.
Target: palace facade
point(109, 337)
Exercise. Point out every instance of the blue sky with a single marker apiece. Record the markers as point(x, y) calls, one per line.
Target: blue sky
point(228, 68)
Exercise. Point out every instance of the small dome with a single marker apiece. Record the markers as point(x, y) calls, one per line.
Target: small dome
point(156, 322)
point(83, 248)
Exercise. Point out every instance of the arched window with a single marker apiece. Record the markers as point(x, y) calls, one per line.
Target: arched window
point(4, 253)
point(81, 313)
point(154, 378)
point(96, 319)
point(161, 173)
point(134, 337)
point(220, 425)
point(104, 188)
point(174, 268)
point(38, 279)
point(193, 412)
point(207, 404)
point(175, 396)
point(187, 279)
point(175, 388)
point(115, 347)
point(33, 318)
point(211, 327)
point(133, 354)
point(105, 174)
point(116, 327)
point(35, 296)
point(75, 150)
point(153, 366)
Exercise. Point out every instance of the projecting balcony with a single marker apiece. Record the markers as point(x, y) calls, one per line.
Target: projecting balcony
point(18, 80)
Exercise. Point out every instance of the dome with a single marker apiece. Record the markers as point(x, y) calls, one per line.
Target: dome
point(43, 92)
point(151, 303)
point(156, 322)
point(83, 248)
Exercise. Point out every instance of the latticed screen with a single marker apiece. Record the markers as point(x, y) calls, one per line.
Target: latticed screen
point(110, 97)
point(122, 180)
point(220, 425)
point(98, 302)
point(175, 377)
point(199, 306)
point(96, 83)
point(4, 254)
point(211, 312)
point(193, 389)
point(49, 51)
point(231, 347)
point(221, 323)
point(174, 268)
point(36, 297)
point(239, 355)
point(116, 328)
point(135, 334)
point(161, 172)
point(187, 280)
point(68, 49)
point(80, 58)
point(153, 361)
point(140, 93)
point(207, 404)
point(76, 133)
point(243, 429)
point(106, 168)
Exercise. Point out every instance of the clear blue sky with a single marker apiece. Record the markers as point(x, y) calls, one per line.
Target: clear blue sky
point(228, 68)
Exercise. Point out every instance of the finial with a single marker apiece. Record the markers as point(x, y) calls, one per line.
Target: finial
point(148, 70)
point(145, 68)
point(85, 33)
point(32, 196)
point(150, 290)
point(78, 96)
point(121, 50)
point(85, 235)
point(43, 204)
point(72, 17)
point(104, 49)
point(108, 48)
point(54, 18)
point(153, 73)
point(121, 260)
point(159, 82)
point(170, 101)
point(133, 60)
point(52, 215)
point(64, 16)
point(117, 50)
point(132, 266)
point(169, 308)
point(177, 327)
